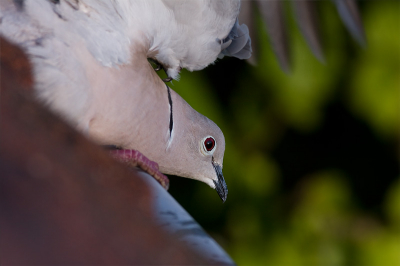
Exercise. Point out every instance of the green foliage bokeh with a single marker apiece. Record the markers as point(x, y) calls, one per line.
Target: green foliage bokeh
point(319, 217)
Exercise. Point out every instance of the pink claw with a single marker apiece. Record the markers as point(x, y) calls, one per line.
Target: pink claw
point(136, 159)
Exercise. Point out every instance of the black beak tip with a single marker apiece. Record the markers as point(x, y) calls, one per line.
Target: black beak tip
point(221, 189)
point(223, 197)
point(220, 185)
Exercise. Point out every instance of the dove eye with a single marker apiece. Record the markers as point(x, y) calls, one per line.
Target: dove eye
point(208, 145)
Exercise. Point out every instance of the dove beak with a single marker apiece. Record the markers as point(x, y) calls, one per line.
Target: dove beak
point(220, 185)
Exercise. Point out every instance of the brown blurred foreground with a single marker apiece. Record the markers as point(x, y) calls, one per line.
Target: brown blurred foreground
point(63, 200)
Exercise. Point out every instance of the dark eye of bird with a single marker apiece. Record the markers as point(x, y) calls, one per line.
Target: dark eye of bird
point(209, 143)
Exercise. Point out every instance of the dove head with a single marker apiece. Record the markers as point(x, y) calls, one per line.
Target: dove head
point(138, 111)
point(195, 147)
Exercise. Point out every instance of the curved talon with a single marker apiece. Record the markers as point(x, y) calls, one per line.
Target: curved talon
point(111, 147)
point(158, 68)
point(158, 65)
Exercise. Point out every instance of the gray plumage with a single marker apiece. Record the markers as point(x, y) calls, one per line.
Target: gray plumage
point(90, 63)
point(238, 42)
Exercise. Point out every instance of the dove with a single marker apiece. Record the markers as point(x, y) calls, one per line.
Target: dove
point(90, 66)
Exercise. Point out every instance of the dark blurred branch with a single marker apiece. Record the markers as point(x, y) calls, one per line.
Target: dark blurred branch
point(273, 14)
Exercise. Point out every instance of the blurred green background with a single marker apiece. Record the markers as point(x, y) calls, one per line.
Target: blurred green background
point(311, 158)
